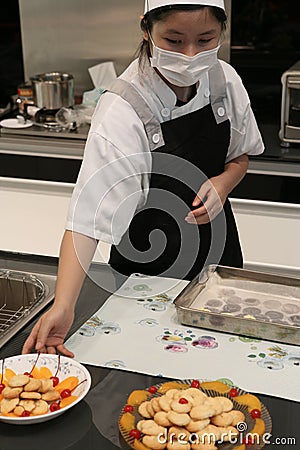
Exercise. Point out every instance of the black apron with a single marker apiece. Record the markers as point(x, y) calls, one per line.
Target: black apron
point(185, 152)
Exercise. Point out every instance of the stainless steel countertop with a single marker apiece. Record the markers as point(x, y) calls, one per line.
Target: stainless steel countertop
point(92, 424)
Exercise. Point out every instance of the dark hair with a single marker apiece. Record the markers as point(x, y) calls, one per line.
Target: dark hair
point(158, 14)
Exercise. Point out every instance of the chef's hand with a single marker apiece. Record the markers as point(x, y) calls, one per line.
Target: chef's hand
point(211, 198)
point(48, 335)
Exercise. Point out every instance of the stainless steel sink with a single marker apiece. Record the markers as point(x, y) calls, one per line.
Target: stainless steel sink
point(22, 296)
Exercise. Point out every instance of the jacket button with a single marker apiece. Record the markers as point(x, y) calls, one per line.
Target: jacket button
point(155, 138)
point(165, 112)
point(221, 111)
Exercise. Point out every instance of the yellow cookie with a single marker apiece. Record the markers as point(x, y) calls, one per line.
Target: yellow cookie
point(143, 410)
point(32, 385)
point(180, 419)
point(7, 405)
point(161, 418)
point(51, 396)
point(41, 407)
point(31, 395)
point(197, 425)
point(152, 442)
point(9, 392)
point(18, 380)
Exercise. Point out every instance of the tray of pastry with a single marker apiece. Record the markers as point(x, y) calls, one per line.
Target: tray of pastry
point(242, 302)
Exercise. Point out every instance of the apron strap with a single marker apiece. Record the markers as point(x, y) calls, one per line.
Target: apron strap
point(217, 84)
point(141, 107)
point(151, 124)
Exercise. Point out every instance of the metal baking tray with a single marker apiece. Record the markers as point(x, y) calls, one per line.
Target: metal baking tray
point(242, 302)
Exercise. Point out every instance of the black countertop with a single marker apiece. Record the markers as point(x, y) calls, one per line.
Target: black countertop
point(92, 424)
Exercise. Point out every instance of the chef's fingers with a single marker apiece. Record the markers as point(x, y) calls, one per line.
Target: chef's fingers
point(31, 340)
point(201, 196)
point(64, 351)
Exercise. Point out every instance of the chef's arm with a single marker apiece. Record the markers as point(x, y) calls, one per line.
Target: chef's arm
point(213, 193)
point(48, 334)
point(76, 253)
point(234, 172)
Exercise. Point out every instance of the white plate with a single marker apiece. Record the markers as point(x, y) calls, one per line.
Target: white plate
point(67, 367)
point(14, 123)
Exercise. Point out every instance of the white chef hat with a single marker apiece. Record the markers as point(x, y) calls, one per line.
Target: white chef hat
point(152, 4)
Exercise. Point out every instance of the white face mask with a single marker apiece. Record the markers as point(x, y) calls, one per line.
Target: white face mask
point(182, 70)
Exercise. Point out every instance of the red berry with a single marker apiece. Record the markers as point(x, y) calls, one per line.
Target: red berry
point(54, 407)
point(25, 413)
point(152, 389)
point(55, 381)
point(233, 392)
point(135, 433)
point(248, 440)
point(183, 401)
point(65, 393)
point(195, 384)
point(2, 386)
point(128, 408)
point(255, 413)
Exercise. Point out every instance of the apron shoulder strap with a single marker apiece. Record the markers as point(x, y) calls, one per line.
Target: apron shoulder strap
point(217, 84)
point(151, 124)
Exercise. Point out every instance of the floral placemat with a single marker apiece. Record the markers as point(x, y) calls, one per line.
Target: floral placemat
point(137, 330)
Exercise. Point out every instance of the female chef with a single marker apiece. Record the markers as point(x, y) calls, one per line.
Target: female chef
point(168, 143)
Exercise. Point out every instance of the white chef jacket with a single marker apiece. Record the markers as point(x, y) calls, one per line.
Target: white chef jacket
point(114, 177)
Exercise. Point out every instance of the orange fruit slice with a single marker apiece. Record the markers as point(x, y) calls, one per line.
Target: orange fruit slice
point(35, 373)
point(259, 428)
point(67, 383)
point(68, 400)
point(45, 372)
point(127, 421)
point(138, 396)
point(249, 400)
point(217, 386)
point(9, 373)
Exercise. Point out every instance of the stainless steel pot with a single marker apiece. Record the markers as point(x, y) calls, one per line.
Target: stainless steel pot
point(53, 90)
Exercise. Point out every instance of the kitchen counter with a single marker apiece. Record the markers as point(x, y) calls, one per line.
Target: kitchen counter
point(92, 423)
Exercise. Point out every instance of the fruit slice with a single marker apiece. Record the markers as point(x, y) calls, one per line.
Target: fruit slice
point(35, 373)
point(68, 400)
point(138, 396)
point(45, 372)
point(172, 385)
point(249, 400)
point(67, 383)
point(9, 373)
point(127, 421)
point(217, 386)
point(259, 428)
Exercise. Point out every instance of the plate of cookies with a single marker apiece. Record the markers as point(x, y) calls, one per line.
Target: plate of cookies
point(194, 415)
point(35, 388)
